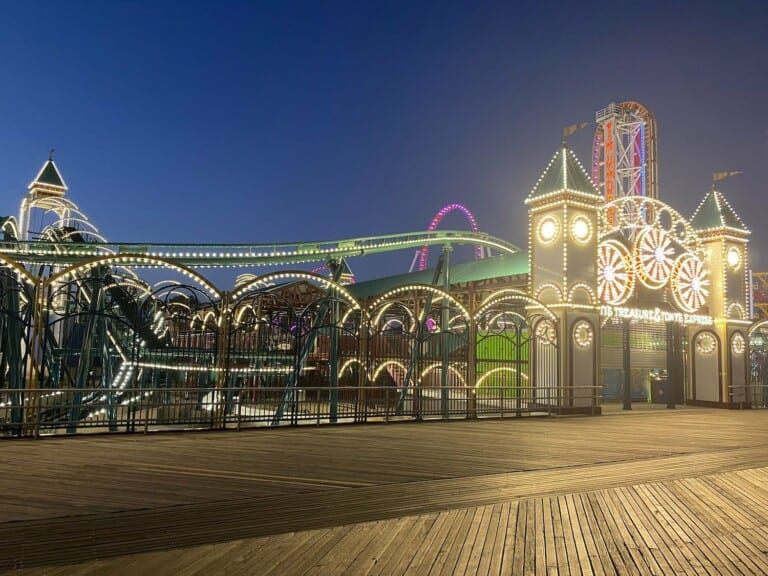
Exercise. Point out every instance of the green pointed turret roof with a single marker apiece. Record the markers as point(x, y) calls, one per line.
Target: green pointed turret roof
point(715, 213)
point(564, 173)
point(49, 178)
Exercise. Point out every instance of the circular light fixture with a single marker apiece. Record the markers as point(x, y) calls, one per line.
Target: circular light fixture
point(738, 345)
point(654, 257)
point(733, 258)
point(583, 334)
point(690, 283)
point(706, 343)
point(548, 230)
point(545, 332)
point(615, 278)
point(581, 229)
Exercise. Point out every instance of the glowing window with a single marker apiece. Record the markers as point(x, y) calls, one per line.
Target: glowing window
point(548, 230)
point(581, 230)
point(734, 258)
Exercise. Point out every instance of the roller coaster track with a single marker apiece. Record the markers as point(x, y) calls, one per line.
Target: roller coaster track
point(215, 255)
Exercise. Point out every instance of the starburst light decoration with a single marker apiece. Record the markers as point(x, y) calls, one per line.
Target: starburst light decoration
point(690, 284)
point(615, 279)
point(654, 257)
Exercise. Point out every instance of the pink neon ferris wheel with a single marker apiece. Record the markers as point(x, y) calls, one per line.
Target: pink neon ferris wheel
point(436, 222)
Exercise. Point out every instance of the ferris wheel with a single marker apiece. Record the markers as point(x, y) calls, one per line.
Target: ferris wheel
point(615, 279)
point(690, 283)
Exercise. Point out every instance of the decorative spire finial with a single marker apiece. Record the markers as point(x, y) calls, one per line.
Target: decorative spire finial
point(50, 156)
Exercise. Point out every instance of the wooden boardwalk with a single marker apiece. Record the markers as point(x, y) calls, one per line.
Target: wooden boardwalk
point(658, 492)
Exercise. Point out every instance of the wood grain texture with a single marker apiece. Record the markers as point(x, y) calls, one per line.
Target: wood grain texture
point(666, 492)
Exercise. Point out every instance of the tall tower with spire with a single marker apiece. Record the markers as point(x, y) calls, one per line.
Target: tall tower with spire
point(45, 192)
point(721, 376)
point(563, 218)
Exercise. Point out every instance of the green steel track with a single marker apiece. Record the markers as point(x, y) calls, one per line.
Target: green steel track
point(234, 255)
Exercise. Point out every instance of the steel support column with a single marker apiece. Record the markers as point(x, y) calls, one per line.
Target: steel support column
point(333, 365)
point(444, 327)
point(291, 390)
point(626, 349)
point(416, 349)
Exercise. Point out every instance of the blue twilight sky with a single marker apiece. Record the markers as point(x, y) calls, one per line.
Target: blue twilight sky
point(287, 121)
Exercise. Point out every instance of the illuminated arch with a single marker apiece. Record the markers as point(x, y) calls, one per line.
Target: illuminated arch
point(259, 282)
point(375, 321)
point(23, 273)
point(757, 326)
point(349, 363)
point(637, 212)
point(241, 310)
point(582, 288)
point(453, 369)
point(497, 370)
point(9, 224)
point(541, 292)
point(735, 311)
point(390, 321)
point(424, 287)
point(139, 260)
point(513, 295)
point(384, 365)
point(436, 222)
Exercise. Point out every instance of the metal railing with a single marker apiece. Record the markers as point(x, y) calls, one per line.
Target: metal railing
point(149, 409)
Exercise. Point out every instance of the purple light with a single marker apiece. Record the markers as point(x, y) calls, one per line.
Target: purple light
point(436, 221)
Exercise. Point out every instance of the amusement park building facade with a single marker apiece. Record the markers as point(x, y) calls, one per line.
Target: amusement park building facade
point(618, 298)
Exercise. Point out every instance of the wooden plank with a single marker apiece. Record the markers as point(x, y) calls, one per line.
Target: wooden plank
point(408, 543)
point(487, 554)
point(561, 553)
point(549, 541)
point(516, 539)
point(446, 555)
point(578, 537)
point(667, 534)
point(568, 538)
point(536, 540)
point(433, 543)
point(485, 532)
point(578, 511)
point(685, 533)
point(704, 538)
point(736, 518)
point(665, 553)
point(505, 547)
point(616, 537)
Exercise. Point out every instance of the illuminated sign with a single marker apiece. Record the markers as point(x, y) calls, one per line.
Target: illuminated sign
point(610, 163)
point(610, 170)
point(656, 315)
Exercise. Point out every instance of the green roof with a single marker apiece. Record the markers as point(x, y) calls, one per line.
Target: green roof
point(715, 213)
point(50, 176)
point(564, 173)
point(482, 269)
